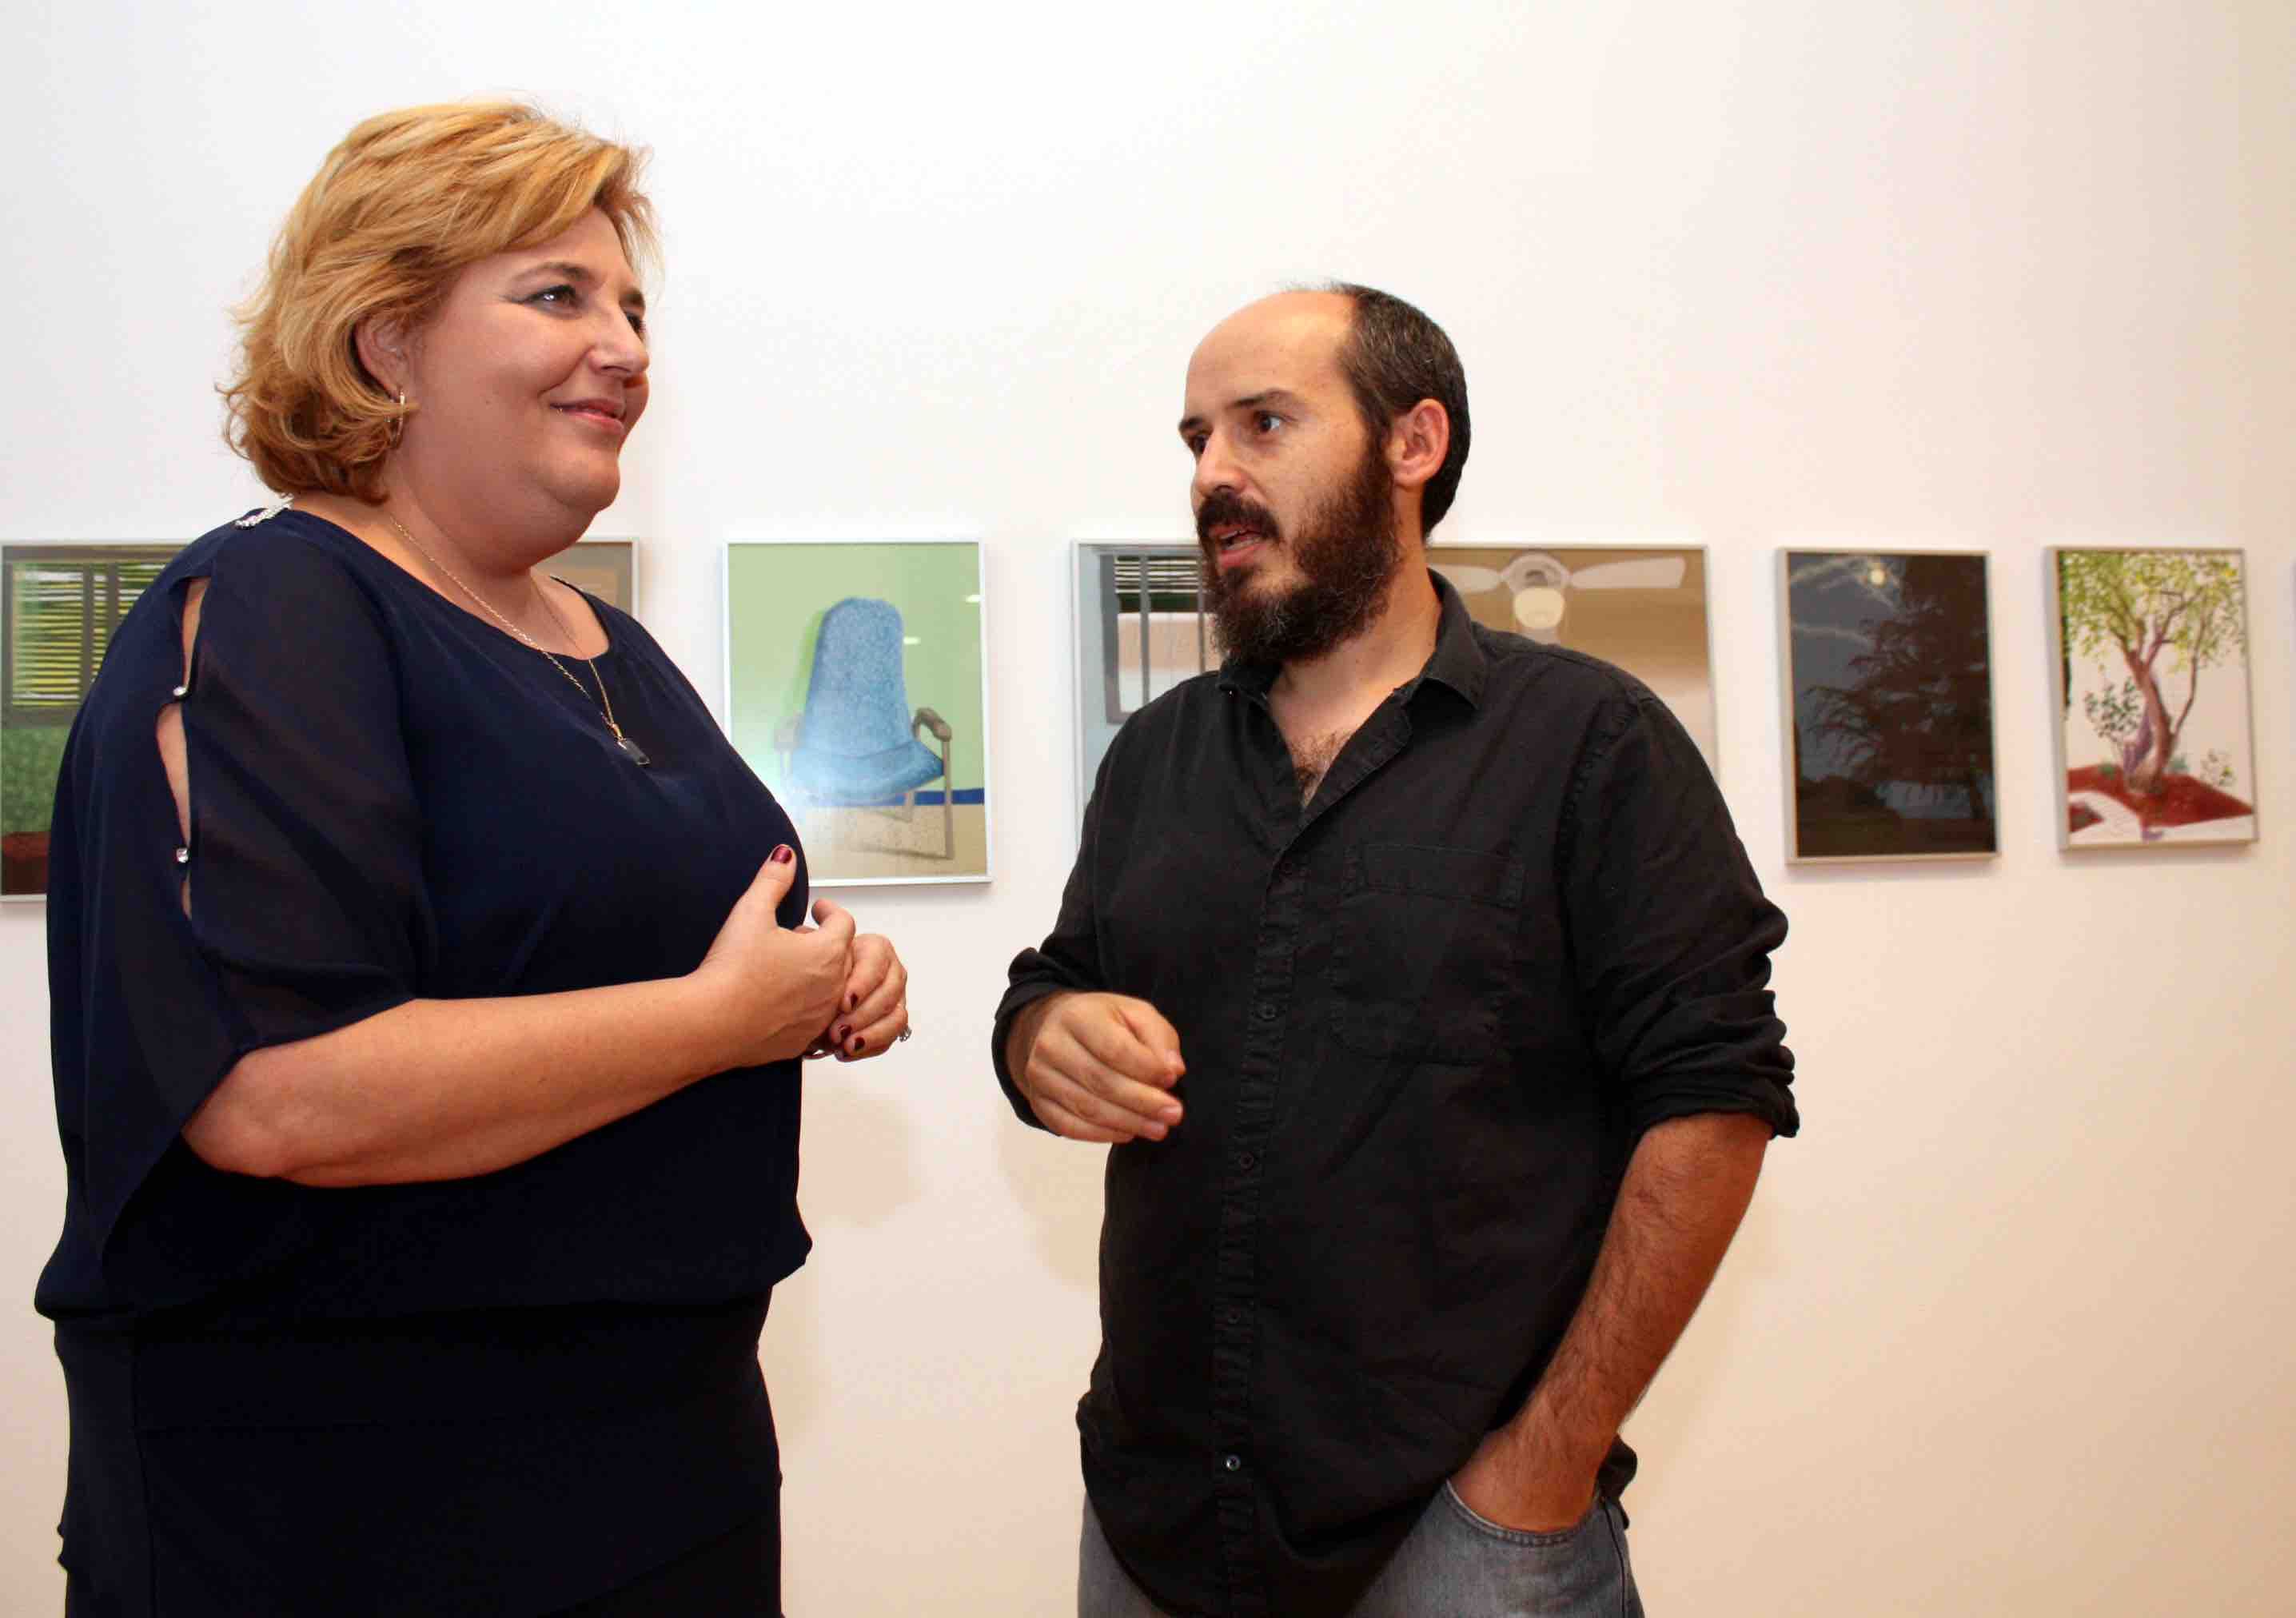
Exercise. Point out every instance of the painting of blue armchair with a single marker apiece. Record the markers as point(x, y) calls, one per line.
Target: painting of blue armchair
point(857, 740)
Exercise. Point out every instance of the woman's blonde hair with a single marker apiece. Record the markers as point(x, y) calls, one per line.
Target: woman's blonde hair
point(405, 203)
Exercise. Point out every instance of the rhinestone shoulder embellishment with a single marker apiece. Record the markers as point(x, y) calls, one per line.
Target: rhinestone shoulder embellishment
point(265, 514)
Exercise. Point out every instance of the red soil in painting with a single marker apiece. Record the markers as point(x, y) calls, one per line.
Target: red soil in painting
point(2082, 816)
point(24, 862)
point(2180, 801)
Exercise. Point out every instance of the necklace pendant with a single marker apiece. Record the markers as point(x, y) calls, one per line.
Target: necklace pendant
point(636, 753)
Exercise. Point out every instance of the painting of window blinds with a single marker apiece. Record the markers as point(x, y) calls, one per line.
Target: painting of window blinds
point(1140, 630)
point(59, 604)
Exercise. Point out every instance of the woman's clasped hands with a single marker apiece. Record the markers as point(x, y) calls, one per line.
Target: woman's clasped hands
point(817, 990)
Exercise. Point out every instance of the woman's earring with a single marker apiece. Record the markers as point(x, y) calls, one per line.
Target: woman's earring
point(399, 422)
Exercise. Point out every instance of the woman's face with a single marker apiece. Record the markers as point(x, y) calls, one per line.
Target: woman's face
point(526, 382)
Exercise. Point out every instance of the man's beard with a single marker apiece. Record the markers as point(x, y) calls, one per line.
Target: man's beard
point(1348, 554)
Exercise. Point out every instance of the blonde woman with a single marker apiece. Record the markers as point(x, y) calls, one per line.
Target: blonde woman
point(430, 977)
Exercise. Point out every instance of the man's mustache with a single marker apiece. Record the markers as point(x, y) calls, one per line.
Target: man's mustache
point(1223, 508)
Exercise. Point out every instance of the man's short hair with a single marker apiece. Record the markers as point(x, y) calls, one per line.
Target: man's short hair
point(1393, 357)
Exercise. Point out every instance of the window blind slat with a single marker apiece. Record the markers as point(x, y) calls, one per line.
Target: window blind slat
point(61, 614)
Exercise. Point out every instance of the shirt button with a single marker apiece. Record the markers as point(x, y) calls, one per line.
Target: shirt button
point(1232, 1463)
point(1246, 1161)
point(1265, 1010)
point(1232, 1316)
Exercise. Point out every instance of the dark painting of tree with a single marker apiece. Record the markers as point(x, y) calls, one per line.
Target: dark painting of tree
point(1891, 675)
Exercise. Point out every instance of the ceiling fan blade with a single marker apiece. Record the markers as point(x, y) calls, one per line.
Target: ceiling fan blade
point(1467, 577)
point(1651, 573)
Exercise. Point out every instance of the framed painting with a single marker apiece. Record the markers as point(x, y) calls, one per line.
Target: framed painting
point(1141, 629)
point(1642, 608)
point(59, 602)
point(1888, 659)
point(607, 569)
point(856, 687)
point(2148, 670)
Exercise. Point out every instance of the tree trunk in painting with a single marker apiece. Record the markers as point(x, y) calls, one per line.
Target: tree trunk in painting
point(2145, 756)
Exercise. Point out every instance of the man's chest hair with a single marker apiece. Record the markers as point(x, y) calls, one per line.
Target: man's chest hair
point(1313, 756)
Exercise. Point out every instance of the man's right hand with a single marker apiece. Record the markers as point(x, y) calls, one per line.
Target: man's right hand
point(1097, 1066)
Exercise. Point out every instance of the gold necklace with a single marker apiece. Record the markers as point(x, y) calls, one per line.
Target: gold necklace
point(606, 703)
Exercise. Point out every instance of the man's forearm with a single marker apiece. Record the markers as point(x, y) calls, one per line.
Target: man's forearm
point(1686, 1189)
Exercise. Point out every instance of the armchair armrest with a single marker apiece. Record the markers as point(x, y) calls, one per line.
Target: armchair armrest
point(928, 720)
point(787, 734)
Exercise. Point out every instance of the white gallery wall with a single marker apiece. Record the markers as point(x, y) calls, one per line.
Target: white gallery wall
point(2008, 1329)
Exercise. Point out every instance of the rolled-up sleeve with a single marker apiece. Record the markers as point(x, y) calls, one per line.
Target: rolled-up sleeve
point(1670, 934)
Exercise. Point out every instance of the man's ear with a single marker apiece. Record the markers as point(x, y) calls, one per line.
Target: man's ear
point(1417, 441)
point(382, 345)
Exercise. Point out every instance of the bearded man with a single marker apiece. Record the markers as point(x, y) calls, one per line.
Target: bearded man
point(1417, 979)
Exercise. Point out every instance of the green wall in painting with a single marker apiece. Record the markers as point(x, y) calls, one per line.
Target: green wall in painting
point(775, 597)
point(31, 756)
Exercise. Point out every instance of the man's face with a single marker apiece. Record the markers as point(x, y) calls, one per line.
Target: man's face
point(1294, 504)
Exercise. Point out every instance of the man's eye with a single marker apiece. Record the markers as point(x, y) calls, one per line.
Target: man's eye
point(1267, 421)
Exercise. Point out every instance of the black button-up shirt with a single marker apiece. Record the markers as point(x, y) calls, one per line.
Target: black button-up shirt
point(1425, 1018)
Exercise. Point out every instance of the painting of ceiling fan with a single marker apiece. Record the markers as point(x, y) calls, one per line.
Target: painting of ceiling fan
point(1540, 586)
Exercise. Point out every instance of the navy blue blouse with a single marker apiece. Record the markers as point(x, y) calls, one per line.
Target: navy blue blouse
point(390, 799)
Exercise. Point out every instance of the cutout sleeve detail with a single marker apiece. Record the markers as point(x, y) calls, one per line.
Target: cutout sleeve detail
point(307, 910)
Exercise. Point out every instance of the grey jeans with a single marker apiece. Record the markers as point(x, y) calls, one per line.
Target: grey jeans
point(1453, 1564)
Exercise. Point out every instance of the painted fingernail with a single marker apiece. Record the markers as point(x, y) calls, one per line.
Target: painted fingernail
point(783, 855)
point(859, 1046)
point(851, 1000)
point(843, 1034)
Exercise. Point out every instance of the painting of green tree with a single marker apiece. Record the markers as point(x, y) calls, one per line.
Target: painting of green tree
point(2152, 649)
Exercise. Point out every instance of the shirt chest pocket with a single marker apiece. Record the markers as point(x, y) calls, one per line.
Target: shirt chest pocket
point(1425, 952)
